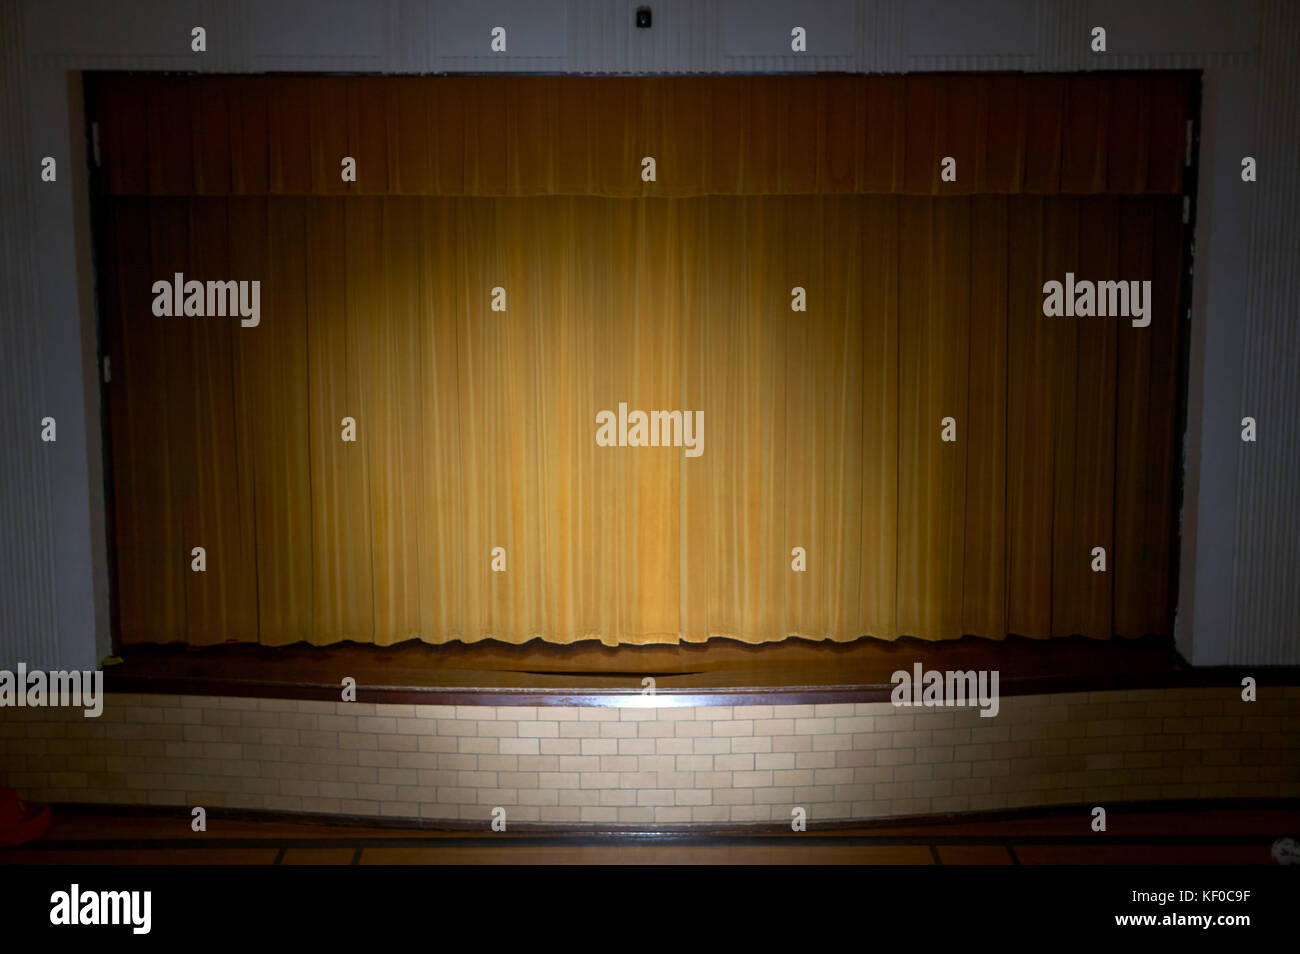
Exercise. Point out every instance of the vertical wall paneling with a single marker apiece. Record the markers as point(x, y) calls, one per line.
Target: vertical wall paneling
point(29, 622)
point(1266, 605)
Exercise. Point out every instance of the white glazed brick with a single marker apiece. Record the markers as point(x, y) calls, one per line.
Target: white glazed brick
point(705, 764)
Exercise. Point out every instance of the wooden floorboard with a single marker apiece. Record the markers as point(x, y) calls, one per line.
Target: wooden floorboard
point(1262, 822)
point(974, 855)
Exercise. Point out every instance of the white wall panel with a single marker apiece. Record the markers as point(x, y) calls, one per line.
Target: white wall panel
point(1266, 586)
point(1176, 26)
point(291, 33)
point(536, 33)
point(29, 619)
point(761, 28)
point(941, 28)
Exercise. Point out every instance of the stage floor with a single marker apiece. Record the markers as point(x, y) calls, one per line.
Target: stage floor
point(589, 670)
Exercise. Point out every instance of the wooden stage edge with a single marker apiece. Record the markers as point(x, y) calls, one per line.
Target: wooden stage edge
point(1163, 818)
point(720, 672)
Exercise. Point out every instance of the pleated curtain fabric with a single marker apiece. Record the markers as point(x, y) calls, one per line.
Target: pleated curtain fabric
point(476, 429)
point(1119, 133)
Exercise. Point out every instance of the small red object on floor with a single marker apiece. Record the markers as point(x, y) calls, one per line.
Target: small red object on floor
point(20, 821)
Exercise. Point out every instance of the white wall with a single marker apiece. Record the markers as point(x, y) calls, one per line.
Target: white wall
point(1240, 562)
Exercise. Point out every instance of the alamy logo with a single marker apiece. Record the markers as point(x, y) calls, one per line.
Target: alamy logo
point(53, 689)
point(103, 907)
point(1087, 299)
point(934, 687)
point(197, 299)
point(651, 429)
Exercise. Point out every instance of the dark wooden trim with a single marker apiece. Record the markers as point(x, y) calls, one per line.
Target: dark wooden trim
point(1177, 479)
point(691, 832)
point(1216, 677)
point(103, 267)
point(571, 840)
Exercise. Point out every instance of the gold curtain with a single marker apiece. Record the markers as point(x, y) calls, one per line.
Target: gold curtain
point(1118, 133)
point(476, 429)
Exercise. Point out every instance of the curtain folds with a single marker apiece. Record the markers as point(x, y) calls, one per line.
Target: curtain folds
point(1117, 133)
point(476, 429)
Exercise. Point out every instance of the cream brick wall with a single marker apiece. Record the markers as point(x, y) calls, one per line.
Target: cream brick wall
point(656, 766)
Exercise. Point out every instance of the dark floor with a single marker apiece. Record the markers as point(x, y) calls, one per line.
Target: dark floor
point(1171, 837)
